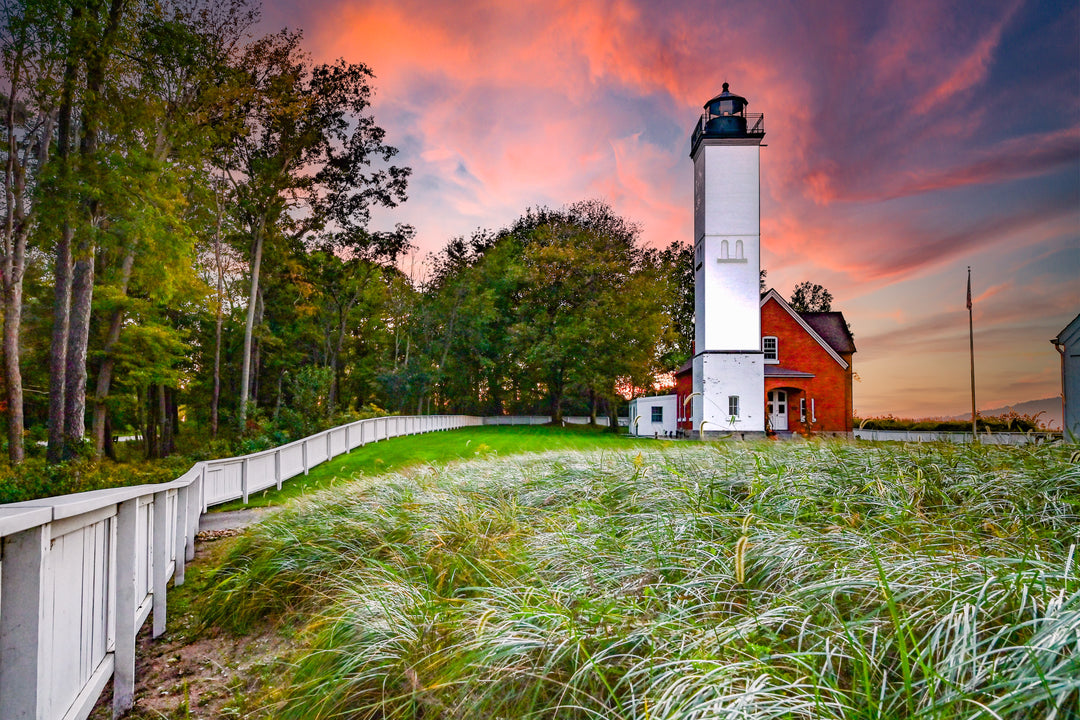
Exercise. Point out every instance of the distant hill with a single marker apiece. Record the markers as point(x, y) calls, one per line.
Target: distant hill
point(1049, 407)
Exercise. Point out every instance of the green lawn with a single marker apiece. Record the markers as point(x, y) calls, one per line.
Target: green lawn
point(439, 448)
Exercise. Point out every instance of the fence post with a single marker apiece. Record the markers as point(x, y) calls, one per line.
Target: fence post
point(24, 631)
point(277, 467)
point(329, 446)
point(161, 560)
point(303, 453)
point(244, 479)
point(202, 491)
point(179, 541)
point(195, 505)
point(126, 606)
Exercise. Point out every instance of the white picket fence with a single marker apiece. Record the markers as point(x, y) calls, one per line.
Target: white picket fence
point(80, 574)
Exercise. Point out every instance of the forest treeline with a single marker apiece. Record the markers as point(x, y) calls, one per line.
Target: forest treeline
point(187, 241)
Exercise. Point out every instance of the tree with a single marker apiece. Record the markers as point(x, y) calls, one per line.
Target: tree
point(810, 297)
point(564, 305)
point(29, 55)
point(676, 262)
point(304, 162)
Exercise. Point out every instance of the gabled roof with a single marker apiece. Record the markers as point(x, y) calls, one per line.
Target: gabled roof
point(773, 295)
point(1069, 334)
point(832, 328)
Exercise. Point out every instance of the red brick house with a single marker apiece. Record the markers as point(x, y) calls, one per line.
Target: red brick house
point(808, 371)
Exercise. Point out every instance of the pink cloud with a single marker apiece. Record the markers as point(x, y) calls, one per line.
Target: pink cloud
point(879, 117)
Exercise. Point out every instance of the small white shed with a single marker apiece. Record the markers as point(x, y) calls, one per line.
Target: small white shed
point(654, 416)
point(1068, 344)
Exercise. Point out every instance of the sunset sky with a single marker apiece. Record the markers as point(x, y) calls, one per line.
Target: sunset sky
point(906, 141)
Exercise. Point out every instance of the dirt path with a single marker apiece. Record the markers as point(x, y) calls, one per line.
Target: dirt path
point(231, 519)
point(198, 673)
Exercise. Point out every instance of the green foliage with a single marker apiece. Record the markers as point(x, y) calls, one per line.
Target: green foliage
point(559, 309)
point(35, 479)
point(810, 297)
point(1009, 422)
point(792, 580)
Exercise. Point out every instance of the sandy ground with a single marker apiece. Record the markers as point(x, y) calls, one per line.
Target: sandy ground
point(203, 674)
point(231, 520)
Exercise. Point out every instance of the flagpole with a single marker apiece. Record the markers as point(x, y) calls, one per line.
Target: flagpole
point(971, 346)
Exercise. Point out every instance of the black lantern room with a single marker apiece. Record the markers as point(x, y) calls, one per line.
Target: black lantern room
point(725, 116)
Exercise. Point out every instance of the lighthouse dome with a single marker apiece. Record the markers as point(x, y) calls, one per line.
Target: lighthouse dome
point(727, 103)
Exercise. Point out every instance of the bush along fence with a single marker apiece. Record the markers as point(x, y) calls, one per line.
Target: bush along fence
point(80, 574)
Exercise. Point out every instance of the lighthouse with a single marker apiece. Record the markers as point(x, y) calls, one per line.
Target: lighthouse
point(728, 364)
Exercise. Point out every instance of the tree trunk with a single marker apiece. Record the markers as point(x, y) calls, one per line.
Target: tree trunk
point(334, 355)
point(249, 325)
point(215, 399)
point(13, 266)
point(556, 389)
point(104, 379)
point(82, 286)
point(613, 415)
point(62, 269)
point(82, 291)
point(256, 354)
point(110, 447)
point(164, 426)
point(149, 434)
point(277, 402)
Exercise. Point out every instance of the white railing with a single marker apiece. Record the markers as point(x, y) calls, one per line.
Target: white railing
point(80, 574)
point(985, 438)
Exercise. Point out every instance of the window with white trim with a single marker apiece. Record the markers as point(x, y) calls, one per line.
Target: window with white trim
point(657, 414)
point(770, 345)
point(802, 410)
point(733, 405)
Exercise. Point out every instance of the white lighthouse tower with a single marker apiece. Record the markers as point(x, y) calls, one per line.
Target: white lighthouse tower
point(729, 377)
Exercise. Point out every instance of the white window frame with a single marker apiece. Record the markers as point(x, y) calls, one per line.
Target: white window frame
point(775, 360)
point(802, 410)
point(733, 406)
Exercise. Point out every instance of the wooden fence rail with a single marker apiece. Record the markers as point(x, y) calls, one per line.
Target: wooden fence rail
point(80, 574)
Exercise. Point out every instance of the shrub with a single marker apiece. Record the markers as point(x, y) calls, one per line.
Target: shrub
point(1009, 422)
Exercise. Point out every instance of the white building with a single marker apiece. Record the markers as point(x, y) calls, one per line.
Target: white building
point(653, 416)
point(728, 364)
point(1068, 344)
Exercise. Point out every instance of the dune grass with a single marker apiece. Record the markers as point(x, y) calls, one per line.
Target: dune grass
point(395, 454)
point(809, 580)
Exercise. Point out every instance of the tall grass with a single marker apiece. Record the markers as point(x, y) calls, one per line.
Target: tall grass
point(819, 580)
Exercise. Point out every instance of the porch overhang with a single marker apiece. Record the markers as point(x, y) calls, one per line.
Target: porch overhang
point(775, 371)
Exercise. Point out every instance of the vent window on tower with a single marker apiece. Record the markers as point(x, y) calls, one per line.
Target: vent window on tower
point(738, 249)
point(724, 250)
point(770, 346)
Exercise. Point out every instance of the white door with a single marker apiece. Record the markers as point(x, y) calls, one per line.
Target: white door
point(778, 409)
